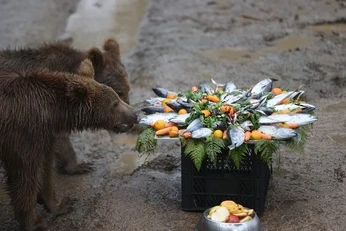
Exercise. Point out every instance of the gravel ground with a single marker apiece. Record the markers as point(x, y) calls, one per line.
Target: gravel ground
point(180, 43)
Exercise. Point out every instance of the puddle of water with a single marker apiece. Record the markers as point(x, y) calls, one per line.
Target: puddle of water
point(95, 20)
point(230, 54)
point(287, 43)
point(127, 139)
point(128, 16)
point(329, 28)
point(236, 54)
point(126, 163)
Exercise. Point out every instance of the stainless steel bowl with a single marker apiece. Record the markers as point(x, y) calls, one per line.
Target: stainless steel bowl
point(205, 224)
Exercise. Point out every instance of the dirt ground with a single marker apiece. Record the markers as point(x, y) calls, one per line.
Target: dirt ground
point(180, 43)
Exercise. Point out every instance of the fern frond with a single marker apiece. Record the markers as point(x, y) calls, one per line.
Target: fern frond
point(214, 146)
point(297, 144)
point(266, 148)
point(238, 154)
point(146, 142)
point(195, 149)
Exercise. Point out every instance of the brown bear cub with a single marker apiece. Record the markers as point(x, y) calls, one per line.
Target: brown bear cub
point(37, 106)
point(59, 57)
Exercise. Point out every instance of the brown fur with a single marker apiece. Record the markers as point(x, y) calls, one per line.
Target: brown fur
point(37, 106)
point(108, 68)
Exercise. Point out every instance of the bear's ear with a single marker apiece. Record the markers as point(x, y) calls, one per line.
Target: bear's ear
point(86, 69)
point(112, 46)
point(96, 57)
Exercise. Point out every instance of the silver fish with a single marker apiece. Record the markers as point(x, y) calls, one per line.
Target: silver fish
point(229, 87)
point(180, 119)
point(236, 137)
point(154, 100)
point(205, 88)
point(218, 85)
point(247, 125)
point(278, 133)
point(263, 86)
point(174, 105)
point(305, 107)
point(163, 92)
point(194, 125)
point(228, 98)
point(201, 133)
point(278, 98)
point(219, 125)
point(300, 119)
point(149, 119)
point(152, 109)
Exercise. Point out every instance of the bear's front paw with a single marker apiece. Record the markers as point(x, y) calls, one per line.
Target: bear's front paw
point(78, 169)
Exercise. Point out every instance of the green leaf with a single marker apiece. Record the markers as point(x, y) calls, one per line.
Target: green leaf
point(146, 142)
point(238, 154)
point(214, 146)
point(297, 144)
point(266, 148)
point(195, 149)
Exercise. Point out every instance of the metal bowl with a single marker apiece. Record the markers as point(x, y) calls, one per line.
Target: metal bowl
point(205, 224)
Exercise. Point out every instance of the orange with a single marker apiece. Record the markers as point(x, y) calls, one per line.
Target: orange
point(284, 101)
point(171, 96)
point(218, 133)
point(159, 124)
point(194, 89)
point(174, 132)
point(276, 91)
point(256, 135)
point(167, 109)
point(182, 111)
point(165, 101)
point(206, 113)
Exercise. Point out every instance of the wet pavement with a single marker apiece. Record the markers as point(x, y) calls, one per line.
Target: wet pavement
point(175, 44)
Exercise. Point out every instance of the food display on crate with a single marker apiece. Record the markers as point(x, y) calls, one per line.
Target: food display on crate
point(209, 118)
point(230, 212)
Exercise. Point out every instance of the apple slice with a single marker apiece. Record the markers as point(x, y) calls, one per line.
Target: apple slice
point(221, 214)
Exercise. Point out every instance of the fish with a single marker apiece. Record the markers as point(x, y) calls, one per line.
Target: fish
point(305, 107)
point(179, 119)
point(264, 85)
point(247, 125)
point(236, 137)
point(163, 92)
point(205, 88)
point(152, 109)
point(154, 100)
point(219, 125)
point(229, 98)
point(278, 98)
point(229, 87)
point(300, 119)
point(201, 133)
point(149, 119)
point(278, 133)
point(194, 125)
point(184, 102)
point(218, 85)
point(174, 105)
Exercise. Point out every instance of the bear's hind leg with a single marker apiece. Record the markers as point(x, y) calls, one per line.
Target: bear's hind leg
point(23, 182)
point(67, 158)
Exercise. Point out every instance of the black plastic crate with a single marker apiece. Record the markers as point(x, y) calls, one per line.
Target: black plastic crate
point(211, 185)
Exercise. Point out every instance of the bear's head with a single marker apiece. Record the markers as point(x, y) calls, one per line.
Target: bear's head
point(109, 69)
point(102, 107)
